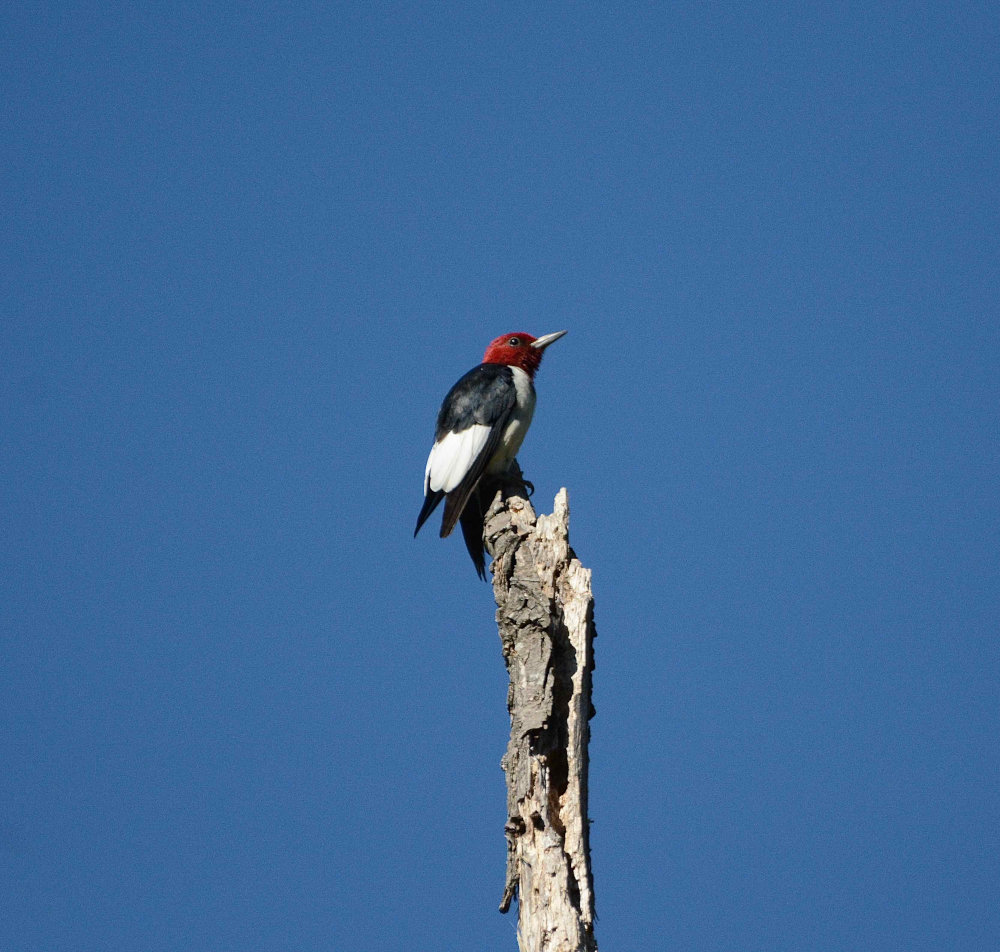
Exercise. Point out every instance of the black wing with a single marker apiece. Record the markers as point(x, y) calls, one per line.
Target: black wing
point(486, 396)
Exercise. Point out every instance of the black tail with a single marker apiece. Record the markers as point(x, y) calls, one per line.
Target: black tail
point(431, 501)
point(472, 518)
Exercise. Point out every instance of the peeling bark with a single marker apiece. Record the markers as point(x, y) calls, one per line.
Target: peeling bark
point(545, 619)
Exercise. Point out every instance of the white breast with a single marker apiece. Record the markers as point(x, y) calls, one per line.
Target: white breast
point(520, 420)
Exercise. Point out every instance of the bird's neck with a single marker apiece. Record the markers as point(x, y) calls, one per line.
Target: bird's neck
point(528, 361)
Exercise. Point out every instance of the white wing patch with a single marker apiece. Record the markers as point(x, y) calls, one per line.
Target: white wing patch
point(452, 457)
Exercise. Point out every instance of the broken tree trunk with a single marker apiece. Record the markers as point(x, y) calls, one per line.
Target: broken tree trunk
point(545, 618)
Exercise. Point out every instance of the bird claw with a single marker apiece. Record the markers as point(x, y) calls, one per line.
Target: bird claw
point(530, 486)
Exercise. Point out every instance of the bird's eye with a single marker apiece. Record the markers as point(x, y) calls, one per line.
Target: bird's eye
point(515, 342)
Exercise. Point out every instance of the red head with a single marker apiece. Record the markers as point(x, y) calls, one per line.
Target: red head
point(519, 350)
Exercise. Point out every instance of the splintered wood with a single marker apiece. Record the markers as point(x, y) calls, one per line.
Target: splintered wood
point(546, 624)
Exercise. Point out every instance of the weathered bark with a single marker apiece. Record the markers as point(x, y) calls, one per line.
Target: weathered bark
point(545, 618)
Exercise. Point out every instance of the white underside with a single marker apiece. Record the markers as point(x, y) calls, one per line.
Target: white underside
point(453, 455)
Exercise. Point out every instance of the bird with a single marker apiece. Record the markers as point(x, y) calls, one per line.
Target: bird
point(480, 428)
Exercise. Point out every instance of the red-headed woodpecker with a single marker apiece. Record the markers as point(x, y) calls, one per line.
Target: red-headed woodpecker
point(480, 428)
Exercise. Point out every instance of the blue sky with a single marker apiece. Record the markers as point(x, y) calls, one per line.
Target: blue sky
point(248, 251)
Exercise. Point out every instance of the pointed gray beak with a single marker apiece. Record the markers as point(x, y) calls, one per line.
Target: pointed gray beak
point(540, 343)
